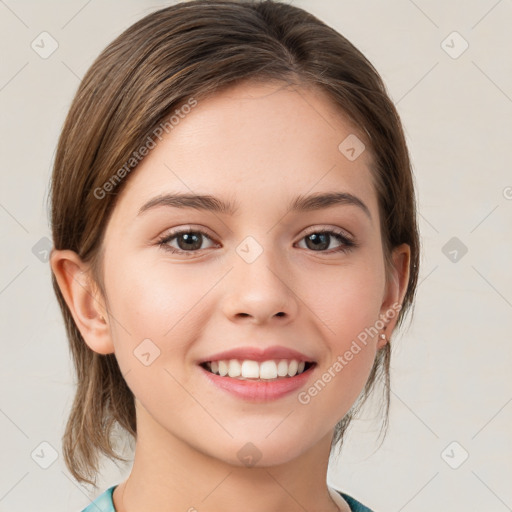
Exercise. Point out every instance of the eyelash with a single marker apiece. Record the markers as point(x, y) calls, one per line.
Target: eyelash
point(347, 244)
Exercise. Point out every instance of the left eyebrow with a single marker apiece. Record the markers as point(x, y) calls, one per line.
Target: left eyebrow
point(210, 203)
point(325, 200)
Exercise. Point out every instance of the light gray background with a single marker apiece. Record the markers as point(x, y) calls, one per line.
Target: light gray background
point(451, 376)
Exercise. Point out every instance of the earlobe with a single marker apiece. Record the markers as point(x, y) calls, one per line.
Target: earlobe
point(396, 288)
point(83, 298)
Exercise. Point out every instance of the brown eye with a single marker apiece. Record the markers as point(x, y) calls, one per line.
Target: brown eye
point(187, 241)
point(320, 241)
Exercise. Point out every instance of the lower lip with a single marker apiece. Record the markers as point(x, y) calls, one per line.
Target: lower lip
point(259, 390)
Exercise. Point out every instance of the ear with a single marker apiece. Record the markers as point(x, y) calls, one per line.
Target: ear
point(84, 299)
point(396, 286)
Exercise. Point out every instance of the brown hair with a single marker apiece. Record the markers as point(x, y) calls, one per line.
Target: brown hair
point(191, 50)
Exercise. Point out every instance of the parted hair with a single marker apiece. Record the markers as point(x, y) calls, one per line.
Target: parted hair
point(191, 50)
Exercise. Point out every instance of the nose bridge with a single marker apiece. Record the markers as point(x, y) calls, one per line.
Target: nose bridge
point(257, 285)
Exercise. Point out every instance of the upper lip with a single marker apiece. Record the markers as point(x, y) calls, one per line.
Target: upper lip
point(258, 354)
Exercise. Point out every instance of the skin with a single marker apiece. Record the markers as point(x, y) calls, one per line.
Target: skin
point(259, 145)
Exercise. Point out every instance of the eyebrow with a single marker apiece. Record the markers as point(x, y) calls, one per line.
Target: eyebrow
point(210, 203)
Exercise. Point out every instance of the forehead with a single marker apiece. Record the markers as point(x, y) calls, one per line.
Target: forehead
point(255, 142)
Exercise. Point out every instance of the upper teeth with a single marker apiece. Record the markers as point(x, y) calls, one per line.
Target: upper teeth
point(248, 369)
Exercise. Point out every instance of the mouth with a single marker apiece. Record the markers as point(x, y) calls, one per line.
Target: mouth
point(261, 371)
point(256, 374)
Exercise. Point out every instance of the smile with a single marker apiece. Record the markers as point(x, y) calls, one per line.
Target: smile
point(258, 374)
point(257, 370)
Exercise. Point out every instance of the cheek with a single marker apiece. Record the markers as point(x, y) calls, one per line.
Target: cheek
point(347, 300)
point(156, 315)
point(153, 301)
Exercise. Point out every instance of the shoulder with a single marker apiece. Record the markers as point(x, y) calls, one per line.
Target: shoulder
point(354, 505)
point(103, 503)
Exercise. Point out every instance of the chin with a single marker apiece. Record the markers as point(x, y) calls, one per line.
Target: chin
point(257, 449)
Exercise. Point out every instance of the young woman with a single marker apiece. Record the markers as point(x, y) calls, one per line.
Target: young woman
point(235, 237)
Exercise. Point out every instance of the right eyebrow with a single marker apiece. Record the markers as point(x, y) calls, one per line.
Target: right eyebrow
point(198, 202)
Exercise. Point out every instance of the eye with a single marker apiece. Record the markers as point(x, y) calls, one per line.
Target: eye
point(190, 241)
point(187, 240)
point(320, 240)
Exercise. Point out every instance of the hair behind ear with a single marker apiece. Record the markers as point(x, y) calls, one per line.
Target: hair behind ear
point(102, 398)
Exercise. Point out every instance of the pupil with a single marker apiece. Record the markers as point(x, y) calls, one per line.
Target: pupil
point(190, 238)
point(319, 240)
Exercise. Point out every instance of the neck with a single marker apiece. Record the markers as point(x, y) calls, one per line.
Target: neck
point(169, 474)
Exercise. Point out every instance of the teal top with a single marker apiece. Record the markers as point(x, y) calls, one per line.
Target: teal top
point(104, 503)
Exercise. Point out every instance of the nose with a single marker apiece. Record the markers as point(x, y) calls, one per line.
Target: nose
point(259, 292)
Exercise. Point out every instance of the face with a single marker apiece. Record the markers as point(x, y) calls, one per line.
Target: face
point(257, 286)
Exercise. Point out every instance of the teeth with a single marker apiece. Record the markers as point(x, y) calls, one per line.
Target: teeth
point(235, 370)
point(282, 368)
point(292, 368)
point(223, 368)
point(248, 369)
point(268, 370)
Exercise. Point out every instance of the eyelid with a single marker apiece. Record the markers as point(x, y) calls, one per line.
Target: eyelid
point(334, 229)
point(184, 228)
point(200, 229)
